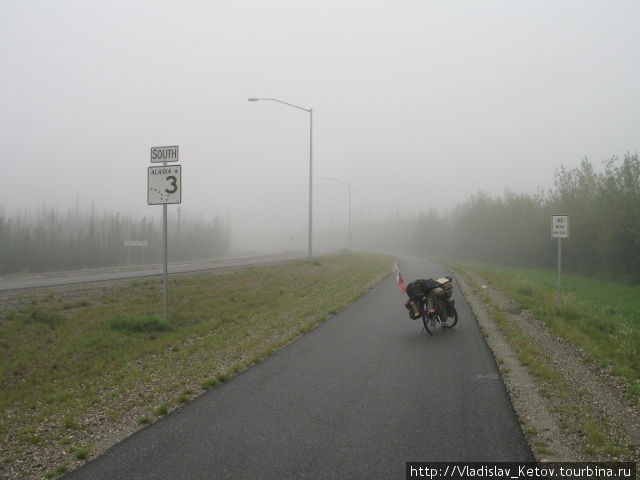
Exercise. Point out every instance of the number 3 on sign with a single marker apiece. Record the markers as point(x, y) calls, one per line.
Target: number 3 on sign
point(164, 185)
point(174, 184)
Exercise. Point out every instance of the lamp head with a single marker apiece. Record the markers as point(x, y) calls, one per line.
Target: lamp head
point(253, 99)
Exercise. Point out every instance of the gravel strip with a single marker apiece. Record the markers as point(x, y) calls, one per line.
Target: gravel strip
point(558, 435)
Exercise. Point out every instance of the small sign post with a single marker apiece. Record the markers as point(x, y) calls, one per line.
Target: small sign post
point(559, 230)
point(164, 185)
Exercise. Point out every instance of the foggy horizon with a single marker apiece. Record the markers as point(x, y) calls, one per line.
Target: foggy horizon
point(418, 105)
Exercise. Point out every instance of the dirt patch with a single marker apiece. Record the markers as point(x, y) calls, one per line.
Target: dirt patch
point(557, 425)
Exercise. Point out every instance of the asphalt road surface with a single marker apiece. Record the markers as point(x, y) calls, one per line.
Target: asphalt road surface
point(14, 282)
point(355, 398)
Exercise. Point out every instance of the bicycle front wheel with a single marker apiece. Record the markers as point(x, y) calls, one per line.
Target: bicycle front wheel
point(430, 322)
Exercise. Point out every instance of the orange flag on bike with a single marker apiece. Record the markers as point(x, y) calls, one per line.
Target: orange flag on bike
point(399, 280)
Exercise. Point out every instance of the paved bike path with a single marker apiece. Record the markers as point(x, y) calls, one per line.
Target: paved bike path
point(357, 397)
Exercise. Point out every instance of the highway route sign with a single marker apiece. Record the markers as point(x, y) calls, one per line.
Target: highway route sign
point(164, 185)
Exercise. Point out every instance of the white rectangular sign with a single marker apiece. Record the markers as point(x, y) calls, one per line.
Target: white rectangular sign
point(560, 226)
point(136, 243)
point(164, 154)
point(164, 185)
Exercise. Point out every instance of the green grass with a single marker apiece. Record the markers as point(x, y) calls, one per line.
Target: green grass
point(62, 359)
point(142, 324)
point(162, 409)
point(83, 453)
point(524, 286)
point(50, 318)
point(58, 471)
point(600, 315)
point(185, 396)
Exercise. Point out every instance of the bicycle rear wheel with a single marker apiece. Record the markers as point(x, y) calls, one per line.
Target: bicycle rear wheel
point(451, 321)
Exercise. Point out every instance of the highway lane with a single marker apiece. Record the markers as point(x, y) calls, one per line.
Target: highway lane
point(15, 282)
point(357, 397)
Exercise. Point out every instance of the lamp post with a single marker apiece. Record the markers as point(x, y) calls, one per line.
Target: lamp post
point(349, 186)
point(310, 112)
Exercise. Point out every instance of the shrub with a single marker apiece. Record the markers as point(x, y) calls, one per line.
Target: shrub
point(131, 324)
point(47, 317)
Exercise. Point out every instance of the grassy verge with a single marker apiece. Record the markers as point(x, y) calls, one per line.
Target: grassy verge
point(579, 416)
point(599, 315)
point(66, 361)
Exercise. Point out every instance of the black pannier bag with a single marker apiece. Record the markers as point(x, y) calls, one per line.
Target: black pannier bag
point(421, 287)
point(414, 290)
point(414, 308)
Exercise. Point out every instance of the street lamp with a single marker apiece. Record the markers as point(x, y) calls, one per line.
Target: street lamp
point(310, 112)
point(349, 186)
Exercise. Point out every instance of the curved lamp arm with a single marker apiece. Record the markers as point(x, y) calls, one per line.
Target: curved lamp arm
point(254, 99)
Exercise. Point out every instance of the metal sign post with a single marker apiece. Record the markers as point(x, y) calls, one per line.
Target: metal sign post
point(164, 186)
point(165, 263)
point(559, 230)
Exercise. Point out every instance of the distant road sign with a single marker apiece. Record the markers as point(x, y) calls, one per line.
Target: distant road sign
point(164, 185)
point(164, 154)
point(560, 226)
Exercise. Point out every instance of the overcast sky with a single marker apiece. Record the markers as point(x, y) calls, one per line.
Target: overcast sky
point(416, 104)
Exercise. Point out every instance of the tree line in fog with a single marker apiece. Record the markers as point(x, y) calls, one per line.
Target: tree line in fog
point(512, 229)
point(50, 240)
point(515, 229)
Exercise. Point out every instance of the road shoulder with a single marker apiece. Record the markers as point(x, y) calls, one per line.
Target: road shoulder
point(573, 411)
